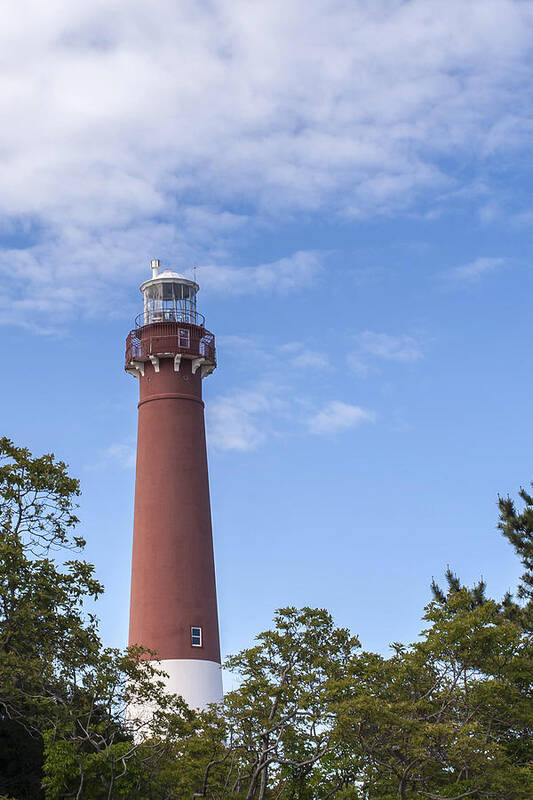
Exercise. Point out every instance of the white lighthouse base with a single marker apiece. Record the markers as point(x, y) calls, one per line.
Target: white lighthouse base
point(199, 682)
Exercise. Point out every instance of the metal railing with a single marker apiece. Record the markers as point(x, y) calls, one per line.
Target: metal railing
point(171, 314)
point(170, 338)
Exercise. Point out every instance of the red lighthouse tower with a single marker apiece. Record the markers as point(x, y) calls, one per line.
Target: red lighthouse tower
point(173, 595)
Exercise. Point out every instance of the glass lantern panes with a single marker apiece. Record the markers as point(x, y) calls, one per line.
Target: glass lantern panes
point(170, 301)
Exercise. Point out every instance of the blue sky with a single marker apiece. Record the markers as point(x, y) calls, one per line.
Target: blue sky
point(352, 181)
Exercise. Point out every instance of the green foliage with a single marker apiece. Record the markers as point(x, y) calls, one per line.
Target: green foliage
point(37, 499)
point(60, 689)
point(313, 717)
point(517, 527)
point(447, 717)
point(44, 635)
point(281, 719)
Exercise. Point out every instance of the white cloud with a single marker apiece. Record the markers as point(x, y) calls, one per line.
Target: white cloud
point(391, 348)
point(476, 269)
point(135, 128)
point(122, 455)
point(373, 346)
point(337, 416)
point(309, 359)
point(292, 354)
point(296, 271)
point(244, 421)
point(241, 421)
point(301, 356)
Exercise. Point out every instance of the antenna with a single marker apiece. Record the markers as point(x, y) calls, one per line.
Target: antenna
point(194, 274)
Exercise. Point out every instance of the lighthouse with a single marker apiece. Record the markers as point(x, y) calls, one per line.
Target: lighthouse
point(173, 608)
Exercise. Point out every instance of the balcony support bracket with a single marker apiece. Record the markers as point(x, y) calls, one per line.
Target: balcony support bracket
point(136, 368)
point(197, 362)
point(207, 369)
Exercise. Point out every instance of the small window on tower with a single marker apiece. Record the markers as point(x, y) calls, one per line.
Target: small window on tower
point(184, 337)
point(196, 637)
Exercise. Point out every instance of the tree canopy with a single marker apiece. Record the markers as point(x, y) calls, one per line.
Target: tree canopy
point(314, 715)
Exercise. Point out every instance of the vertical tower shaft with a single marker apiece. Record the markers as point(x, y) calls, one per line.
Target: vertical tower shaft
point(173, 595)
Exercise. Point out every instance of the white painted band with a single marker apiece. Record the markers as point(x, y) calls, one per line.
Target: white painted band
point(199, 682)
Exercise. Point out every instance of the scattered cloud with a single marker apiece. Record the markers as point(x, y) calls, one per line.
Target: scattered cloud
point(240, 344)
point(242, 421)
point(163, 128)
point(121, 455)
point(246, 419)
point(391, 348)
point(310, 359)
point(300, 356)
point(475, 270)
point(296, 271)
point(372, 347)
point(293, 354)
point(337, 416)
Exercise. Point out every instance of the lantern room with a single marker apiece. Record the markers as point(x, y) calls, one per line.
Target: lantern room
point(169, 297)
point(169, 326)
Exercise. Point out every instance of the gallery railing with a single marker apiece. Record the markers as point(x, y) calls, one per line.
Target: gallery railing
point(170, 339)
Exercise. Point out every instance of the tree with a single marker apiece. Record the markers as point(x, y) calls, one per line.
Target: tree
point(313, 717)
point(97, 750)
point(280, 721)
point(517, 527)
point(42, 630)
point(62, 694)
point(451, 715)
